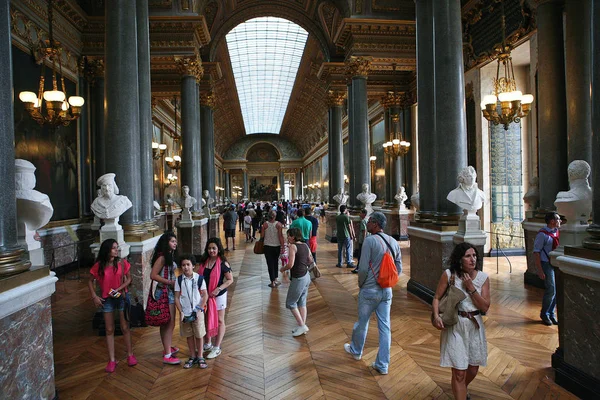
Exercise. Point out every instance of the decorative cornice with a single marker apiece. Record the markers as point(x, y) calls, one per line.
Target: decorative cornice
point(207, 99)
point(92, 68)
point(358, 66)
point(335, 98)
point(190, 66)
point(392, 99)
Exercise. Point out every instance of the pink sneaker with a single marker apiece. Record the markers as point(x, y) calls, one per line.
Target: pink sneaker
point(131, 360)
point(111, 366)
point(171, 360)
point(173, 350)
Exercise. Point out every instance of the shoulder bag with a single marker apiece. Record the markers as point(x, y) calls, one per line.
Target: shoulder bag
point(259, 246)
point(157, 311)
point(448, 305)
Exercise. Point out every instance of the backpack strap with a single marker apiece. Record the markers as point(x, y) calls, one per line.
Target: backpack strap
point(388, 245)
point(179, 280)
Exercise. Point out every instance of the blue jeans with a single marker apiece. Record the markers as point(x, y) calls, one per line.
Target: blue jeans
point(345, 243)
point(380, 301)
point(549, 300)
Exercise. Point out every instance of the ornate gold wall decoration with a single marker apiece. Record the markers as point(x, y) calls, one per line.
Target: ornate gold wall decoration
point(335, 98)
point(207, 99)
point(358, 66)
point(190, 66)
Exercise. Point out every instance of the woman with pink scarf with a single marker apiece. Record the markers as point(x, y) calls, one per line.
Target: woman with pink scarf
point(217, 275)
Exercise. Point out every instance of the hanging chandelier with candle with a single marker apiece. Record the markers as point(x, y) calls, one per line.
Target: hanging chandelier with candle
point(55, 110)
point(513, 104)
point(395, 147)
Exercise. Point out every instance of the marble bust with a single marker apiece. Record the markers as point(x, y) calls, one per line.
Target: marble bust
point(467, 195)
point(532, 197)
point(34, 209)
point(187, 202)
point(576, 204)
point(366, 198)
point(109, 205)
point(341, 198)
point(415, 201)
point(401, 197)
point(207, 201)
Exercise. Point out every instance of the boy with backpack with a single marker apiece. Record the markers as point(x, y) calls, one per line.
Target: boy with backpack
point(545, 241)
point(190, 300)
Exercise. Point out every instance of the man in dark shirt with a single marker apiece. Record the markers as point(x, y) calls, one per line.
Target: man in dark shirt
point(312, 242)
point(229, 221)
point(280, 217)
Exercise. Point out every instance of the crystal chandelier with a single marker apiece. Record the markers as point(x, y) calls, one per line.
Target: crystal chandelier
point(513, 104)
point(395, 147)
point(174, 161)
point(59, 112)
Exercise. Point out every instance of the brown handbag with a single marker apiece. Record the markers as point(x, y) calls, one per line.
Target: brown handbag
point(448, 305)
point(259, 247)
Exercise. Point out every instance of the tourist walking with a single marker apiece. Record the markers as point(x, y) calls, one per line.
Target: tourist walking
point(463, 346)
point(229, 222)
point(272, 234)
point(345, 236)
point(312, 242)
point(546, 240)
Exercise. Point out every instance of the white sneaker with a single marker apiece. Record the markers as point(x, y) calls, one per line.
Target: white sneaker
point(214, 353)
point(349, 351)
point(207, 347)
point(299, 331)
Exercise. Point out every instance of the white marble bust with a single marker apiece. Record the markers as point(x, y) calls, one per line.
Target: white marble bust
point(367, 198)
point(109, 205)
point(576, 204)
point(34, 209)
point(532, 197)
point(415, 201)
point(341, 198)
point(401, 197)
point(467, 195)
point(187, 202)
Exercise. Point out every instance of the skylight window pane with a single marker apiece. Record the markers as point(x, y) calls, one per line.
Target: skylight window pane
point(265, 55)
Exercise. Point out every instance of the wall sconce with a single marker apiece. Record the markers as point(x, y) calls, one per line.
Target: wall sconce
point(173, 162)
point(158, 150)
point(346, 180)
point(171, 179)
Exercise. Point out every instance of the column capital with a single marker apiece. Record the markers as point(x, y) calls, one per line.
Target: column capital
point(392, 99)
point(190, 66)
point(335, 98)
point(91, 68)
point(207, 99)
point(357, 66)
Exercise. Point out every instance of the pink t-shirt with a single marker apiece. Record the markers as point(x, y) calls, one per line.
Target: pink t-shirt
point(111, 279)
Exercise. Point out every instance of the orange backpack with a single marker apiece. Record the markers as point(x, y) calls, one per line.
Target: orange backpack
point(388, 273)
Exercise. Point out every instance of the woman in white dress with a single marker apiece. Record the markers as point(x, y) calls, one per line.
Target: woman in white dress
point(463, 346)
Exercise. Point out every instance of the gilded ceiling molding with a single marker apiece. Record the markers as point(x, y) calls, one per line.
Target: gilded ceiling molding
point(358, 66)
point(392, 99)
point(335, 98)
point(207, 99)
point(190, 66)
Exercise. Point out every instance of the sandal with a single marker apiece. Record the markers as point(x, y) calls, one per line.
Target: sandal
point(201, 363)
point(189, 363)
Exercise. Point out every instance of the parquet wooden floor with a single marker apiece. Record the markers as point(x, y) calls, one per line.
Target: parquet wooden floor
point(261, 360)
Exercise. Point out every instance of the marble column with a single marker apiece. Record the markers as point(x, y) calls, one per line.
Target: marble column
point(387, 162)
point(392, 117)
point(145, 106)
point(122, 113)
point(578, 64)
point(281, 184)
point(449, 106)
point(426, 93)
point(552, 118)
point(350, 120)
point(96, 68)
point(396, 170)
point(12, 256)
point(335, 101)
point(207, 103)
point(407, 160)
point(86, 182)
point(358, 68)
point(191, 168)
point(227, 185)
point(246, 187)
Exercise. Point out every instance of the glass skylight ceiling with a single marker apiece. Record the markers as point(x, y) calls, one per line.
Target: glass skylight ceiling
point(265, 54)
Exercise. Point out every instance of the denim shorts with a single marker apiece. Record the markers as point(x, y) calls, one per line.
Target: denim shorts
point(111, 304)
point(158, 293)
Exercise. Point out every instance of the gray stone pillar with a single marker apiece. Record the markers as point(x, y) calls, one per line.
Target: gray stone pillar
point(449, 107)
point(86, 182)
point(358, 140)
point(12, 260)
point(207, 145)
point(426, 80)
point(407, 160)
point(246, 187)
point(281, 184)
point(386, 158)
point(335, 100)
point(96, 68)
point(122, 122)
point(191, 169)
point(227, 185)
point(552, 118)
point(396, 123)
point(145, 106)
point(298, 185)
point(578, 63)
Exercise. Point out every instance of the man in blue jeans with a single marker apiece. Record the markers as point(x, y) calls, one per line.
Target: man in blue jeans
point(372, 297)
point(545, 241)
point(345, 236)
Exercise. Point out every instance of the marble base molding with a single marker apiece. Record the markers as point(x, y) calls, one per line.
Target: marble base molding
point(213, 226)
point(331, 229)
point(192, 239)
point(140, 257)
point(573, 379)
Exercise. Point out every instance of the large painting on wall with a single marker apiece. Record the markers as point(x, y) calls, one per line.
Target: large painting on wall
point(54, 153)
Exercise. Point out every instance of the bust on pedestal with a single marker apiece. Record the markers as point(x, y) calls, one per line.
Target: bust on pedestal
point(575, 205)
point(34, 210)
point(109, 206)
point(186, 203)
point(366, 198)
point(532, 197)
point(208, 202)
point(341, 198)
point(415, 201)
point(401, 197)
point(470, 198)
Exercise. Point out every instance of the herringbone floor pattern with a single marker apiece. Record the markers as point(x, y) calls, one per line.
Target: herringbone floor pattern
point(261, 360)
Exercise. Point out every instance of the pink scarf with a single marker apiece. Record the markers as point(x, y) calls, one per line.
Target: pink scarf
point(212, 317)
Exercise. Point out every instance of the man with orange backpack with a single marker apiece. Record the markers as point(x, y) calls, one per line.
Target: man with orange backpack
point(545, 241)
point(379, 266)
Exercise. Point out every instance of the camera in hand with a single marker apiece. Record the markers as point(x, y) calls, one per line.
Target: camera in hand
point(190, 318)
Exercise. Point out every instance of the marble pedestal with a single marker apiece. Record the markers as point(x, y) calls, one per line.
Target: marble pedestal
point(577, 359)
point(331, 231)
point(213, 226)
point(112, 230)
point(192, 236)
point(531, 228)
point(140, 258)
point(469, 230)
point(27, 368)
point(430, 249)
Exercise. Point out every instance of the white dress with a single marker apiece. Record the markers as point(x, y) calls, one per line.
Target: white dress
point(463, 344)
